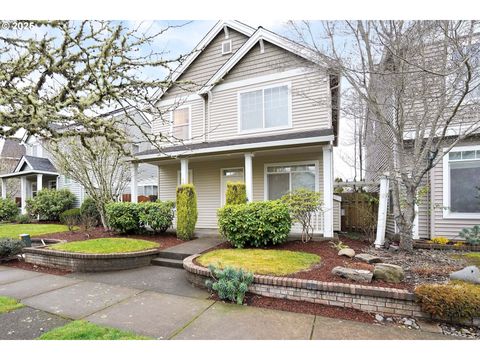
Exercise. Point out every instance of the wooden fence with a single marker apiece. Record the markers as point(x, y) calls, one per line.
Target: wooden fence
point(359, 211)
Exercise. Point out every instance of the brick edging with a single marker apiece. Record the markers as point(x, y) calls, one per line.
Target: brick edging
point(353, 289)
point(74, 255)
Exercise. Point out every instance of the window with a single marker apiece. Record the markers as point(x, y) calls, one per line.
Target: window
point(461, 171)
point(66, 180)
point(52, 184)
point(34, 189)
point(147, 190)
point(226, 47)
point(281, 179)
point(181, 123)
point(265, 108)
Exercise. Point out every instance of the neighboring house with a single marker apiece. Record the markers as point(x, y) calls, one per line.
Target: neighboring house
point(36, 169)
point(10, 153)
point(248, 105)
point(451, 201)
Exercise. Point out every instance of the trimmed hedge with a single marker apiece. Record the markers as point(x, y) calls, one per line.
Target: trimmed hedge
point(123, 217)
point(157, 215)
point(50, 203)
point(236, 193)
point(455, 300)
point(187, 213)
point(255, 224)
point(8, 210)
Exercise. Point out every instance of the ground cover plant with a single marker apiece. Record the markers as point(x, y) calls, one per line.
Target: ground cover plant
point(8, 304)
point(105, 246)
point(229, 283)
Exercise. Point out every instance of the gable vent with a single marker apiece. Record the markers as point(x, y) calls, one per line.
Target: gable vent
point(226, 47)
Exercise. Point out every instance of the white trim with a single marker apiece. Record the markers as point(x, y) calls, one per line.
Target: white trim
point(231, 148)
point(447, 214)
point(22, 161)
point(180, 100)
point(27, 172)
point(290, 163)
point(260, 79)
point(327, 158)
point(263, 128)
point(337, 198)
point(382, 212)
point(451, 131)
point(190, 177)
point(222, 202)
point(415, 229)
point(172, 138)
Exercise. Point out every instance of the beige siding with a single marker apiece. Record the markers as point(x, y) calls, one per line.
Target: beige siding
point(206, 178)
point(337, 215)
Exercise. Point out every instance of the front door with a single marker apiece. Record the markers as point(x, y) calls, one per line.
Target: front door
point(230, 174)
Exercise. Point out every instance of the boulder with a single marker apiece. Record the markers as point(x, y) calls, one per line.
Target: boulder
point(388, 272)
point(370, 259)
point(353, 274)
point(347, 252)
point(469, 274)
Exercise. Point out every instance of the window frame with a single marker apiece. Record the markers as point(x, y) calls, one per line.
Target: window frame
point(172, 137)
point(447, 214)
point(291, 163)
point(221, 181)
point(224, 42)
point(263, 128)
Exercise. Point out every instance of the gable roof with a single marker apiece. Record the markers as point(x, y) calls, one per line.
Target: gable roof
point(35, 164)
point(11, 148)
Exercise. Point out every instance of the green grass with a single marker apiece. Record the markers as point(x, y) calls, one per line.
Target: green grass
point(83, 330)
point(264, 262)
point(14, 230)
point(8, 304)
point(105, 246)
point(472, 258)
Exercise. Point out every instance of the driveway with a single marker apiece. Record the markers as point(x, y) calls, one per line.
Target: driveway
point(160, 303)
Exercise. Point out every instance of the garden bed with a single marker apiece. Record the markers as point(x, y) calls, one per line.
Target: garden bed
point(430, 246)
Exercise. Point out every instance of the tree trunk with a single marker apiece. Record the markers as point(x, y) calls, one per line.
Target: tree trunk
point(405, 220)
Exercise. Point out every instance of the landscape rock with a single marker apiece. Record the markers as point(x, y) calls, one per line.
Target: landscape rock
point(469, 274)
point(353, 274)
point(388, 272)
point(379, 317)
point(370, 259)
point(347, 252)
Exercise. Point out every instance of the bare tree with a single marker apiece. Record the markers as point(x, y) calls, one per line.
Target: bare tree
point(417, 80)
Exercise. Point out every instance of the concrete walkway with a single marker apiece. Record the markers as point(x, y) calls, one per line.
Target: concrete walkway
point(160, 303)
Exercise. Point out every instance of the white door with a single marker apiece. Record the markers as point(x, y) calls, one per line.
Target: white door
point(231, 174)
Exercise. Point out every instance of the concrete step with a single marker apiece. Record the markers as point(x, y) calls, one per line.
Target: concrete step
point(173, 255)
point(172, 263)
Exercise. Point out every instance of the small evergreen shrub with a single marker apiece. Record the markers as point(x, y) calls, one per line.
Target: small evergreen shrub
point(187, 213)
point(50, 203)
point(455, 300)
point(71, 218)
point(89, 208)
point(255, 224)
point(472, 235)
point(441, 240)
point(158, 215)
point(229, 283)
point(123, 217)
point(236, 193)
point(23, 219)
point(10, 247)
point(8, 210)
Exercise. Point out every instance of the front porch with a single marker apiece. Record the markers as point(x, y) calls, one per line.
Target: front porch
point(268, 174)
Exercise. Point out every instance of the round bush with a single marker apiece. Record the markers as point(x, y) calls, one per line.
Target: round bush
point(10, 247)
point(23, 219)
point(71, 218)
point(50, 203)
point(8, 210)
point(89, 208)
point(158, 215)
point(123, 217)
point(255, 224)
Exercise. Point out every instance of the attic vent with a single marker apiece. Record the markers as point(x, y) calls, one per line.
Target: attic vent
point(226, 47)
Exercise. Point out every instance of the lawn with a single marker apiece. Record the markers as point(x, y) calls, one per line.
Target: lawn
point(14, 230)
point(83, 330)
point(105, 246)
point(472, 258)
point(264, 262)
point(8, 304)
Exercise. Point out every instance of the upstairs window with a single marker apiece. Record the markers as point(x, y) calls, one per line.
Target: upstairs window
point(181, 124)
point(266, 108)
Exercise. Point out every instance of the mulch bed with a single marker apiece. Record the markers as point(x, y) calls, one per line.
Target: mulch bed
point(165, 240)
point(19, 264)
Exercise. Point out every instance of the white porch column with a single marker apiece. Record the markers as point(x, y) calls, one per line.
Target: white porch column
point(328, 191)
point(382, 212)
point(39, 182)
point(133, 183)
point(4, 188)
point(158, 181)
point(249, 176)
point(415, 234)
point(183, 171)
point(23, 194)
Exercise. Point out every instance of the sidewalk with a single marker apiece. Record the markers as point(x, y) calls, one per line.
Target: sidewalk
point(160, 303)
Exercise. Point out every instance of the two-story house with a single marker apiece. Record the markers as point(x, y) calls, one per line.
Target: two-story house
point(248, 105)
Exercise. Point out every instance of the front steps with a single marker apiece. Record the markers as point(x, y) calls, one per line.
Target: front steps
point(170, 259)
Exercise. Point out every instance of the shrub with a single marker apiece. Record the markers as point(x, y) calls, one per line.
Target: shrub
point(23, 219)
point(302, 204)
point(89, 209)
point(8, 210)
point(71, 218)
point(49, 203)
point(455, 300)
point(230, 283)
point(158, 215)
point(187, 214)
point(123, 217)
point(472, 235)
point(441, 240)
point(256, 224)
point(10, 247)
point(236, 193)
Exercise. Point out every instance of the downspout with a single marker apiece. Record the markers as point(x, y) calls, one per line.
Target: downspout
point(209, 108)
point(204, 118)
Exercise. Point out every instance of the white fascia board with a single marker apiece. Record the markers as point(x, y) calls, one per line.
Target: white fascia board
point(28, 172)
point(451, 131)
point(179, 100)
point(22, 161)
point(266, 144)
